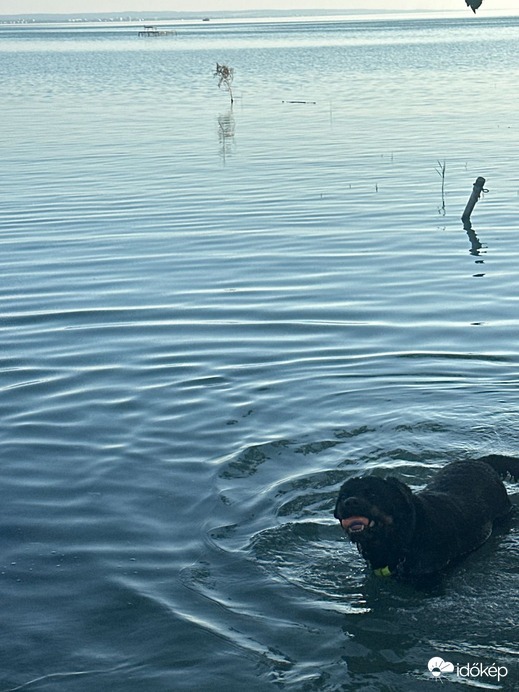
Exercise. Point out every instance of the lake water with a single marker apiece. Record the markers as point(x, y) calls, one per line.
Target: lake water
point(212, 317)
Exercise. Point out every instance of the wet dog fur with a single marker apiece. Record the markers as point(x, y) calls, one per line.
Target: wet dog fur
point(410, 535)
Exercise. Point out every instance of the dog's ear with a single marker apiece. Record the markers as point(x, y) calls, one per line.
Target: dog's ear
point(405, 489)
point(404, 513)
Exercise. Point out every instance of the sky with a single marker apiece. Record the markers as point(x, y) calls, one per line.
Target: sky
point(144, 6)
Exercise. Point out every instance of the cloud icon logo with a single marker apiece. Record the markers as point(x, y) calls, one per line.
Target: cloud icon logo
point(437, 666)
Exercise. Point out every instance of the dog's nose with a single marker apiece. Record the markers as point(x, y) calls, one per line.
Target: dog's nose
point(351, 502)
point(349, 506)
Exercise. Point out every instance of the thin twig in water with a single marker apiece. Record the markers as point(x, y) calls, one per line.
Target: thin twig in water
point(441, 172)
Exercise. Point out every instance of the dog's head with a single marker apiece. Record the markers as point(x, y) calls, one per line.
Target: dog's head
point(376, 513)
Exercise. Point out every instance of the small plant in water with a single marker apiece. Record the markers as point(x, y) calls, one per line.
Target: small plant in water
point(225, 76)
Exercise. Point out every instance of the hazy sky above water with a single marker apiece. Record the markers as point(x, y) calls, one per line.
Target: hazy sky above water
point(146, 6)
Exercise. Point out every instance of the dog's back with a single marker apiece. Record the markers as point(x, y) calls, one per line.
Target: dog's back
point(477, 484)
point(456, 511)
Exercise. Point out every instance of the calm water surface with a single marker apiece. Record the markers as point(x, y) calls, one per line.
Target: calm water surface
point(211, 317)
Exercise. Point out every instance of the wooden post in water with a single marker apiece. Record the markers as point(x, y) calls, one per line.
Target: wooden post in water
point(477, 189)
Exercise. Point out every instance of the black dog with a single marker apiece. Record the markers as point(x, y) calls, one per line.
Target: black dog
point(413, 535)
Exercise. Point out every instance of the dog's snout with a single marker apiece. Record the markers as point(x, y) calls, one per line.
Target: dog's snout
point(349, 506)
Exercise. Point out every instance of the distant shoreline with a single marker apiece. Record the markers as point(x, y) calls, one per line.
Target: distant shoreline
point(193, 16)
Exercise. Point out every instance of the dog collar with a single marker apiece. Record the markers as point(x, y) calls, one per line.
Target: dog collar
point(383, 572)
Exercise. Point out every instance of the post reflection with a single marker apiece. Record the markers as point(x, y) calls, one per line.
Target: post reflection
point(476, 246)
